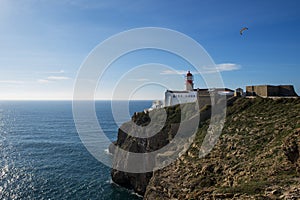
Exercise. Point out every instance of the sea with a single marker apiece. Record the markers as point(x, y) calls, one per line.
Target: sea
point(42, 156)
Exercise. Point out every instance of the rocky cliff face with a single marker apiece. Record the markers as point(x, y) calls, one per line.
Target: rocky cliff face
point(257, 155)
point(139, 181)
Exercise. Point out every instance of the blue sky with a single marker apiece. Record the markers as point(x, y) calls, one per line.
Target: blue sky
point(43, 43)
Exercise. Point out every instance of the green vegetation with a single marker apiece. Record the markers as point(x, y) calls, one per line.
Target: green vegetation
point(258, 152)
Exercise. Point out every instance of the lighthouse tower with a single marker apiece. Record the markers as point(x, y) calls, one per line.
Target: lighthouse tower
point(189, 84)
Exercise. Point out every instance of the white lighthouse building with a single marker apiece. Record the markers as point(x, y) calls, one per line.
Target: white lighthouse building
point(185, 96)
point(204, 96)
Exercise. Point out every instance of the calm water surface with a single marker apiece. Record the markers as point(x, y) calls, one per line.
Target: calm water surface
point(42, 156)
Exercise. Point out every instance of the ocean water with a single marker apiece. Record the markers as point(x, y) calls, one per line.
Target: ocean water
point(42, 156)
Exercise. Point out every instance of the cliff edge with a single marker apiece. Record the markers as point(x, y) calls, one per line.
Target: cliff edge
point(256, 157)
point(126, 141)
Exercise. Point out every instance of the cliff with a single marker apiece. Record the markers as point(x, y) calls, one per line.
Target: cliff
point(257, 155)
point(126, 141)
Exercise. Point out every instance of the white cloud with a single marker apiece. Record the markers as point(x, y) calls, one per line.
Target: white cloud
point(57, 72)
point(50, 79)
point(139, 79)
point(52, 72)
point(58, 78)
point(178, 72)
point(206, 70)
point(228, 67)
point(43, 81)
point(11, 82)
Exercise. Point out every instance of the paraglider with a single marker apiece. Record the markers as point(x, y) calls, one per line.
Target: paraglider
point(242, 30)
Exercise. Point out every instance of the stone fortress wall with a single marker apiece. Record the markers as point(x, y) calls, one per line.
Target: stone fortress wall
point(271, 91)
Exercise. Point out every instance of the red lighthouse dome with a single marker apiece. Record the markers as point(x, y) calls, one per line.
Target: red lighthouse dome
point(189, 81)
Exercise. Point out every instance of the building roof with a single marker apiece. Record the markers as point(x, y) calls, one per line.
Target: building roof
point(267, 85)
point(202, 90)
point(214, 89)
point(178, 91)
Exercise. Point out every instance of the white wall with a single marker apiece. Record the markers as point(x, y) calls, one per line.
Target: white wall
point(173, 98)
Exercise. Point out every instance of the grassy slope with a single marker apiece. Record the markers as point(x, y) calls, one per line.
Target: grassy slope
point(249, 160)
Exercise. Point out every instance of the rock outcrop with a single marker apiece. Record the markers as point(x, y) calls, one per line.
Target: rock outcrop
point(139, 181)
point(256, 157)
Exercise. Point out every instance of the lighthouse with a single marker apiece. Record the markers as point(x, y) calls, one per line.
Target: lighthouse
point(189, 95)
point(189, 84)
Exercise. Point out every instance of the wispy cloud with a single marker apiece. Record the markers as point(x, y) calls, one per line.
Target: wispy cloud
point(139, 79)
point(57, 72)
point(50, 79)
point(11, 82)
point(228, 67)
point(171, 72)
point(43, 81)
point(52, 72)
point(218, 68)
point(58, 78)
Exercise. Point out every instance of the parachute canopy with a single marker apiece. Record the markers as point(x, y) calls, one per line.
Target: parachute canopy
point(242, 30)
